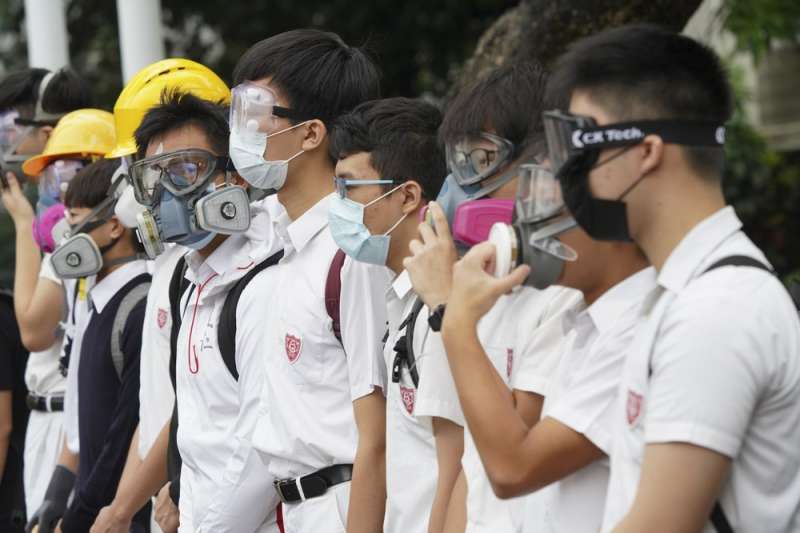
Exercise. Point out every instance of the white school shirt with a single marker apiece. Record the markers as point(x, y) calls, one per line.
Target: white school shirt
point(306, 421)
point(411, 468)
point(511, 330)
point(156, 396)
point(42, 373)
point(74, 326)
point(583, 398)
point(724, 350)
point(215, 428)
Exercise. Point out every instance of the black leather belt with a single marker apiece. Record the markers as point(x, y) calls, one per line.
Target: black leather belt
point(312, 485)
point(48, 404)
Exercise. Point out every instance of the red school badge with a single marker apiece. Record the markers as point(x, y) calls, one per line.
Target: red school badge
point(509, 361)
point(634, 407)
point(293, 347)
point(407, 395)
point(161, 319)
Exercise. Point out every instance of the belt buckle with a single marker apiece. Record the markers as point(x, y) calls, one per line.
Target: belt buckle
point(277, 484)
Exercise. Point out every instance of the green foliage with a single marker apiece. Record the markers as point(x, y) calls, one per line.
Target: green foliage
point(764, 187)
point(757, 23)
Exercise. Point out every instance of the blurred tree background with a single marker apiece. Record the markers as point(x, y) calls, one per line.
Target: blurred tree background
point(431, 48)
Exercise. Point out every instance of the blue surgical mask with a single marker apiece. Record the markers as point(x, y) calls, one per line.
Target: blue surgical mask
point(346, 221)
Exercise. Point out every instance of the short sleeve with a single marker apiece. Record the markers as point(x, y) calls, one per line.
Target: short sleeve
point(436, 393)
point(540, 342)
point(47, 272)
point(363, 324)
point(709, 370)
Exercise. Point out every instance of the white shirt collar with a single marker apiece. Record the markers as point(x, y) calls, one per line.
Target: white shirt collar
point(401, 285)
point(687, 258)
point(300, 232)
point(621, 298)
point(106, 288)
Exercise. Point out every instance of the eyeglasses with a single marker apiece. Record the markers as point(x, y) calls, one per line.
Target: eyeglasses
point(474, 159)
point(342, 184)
point(181, 172)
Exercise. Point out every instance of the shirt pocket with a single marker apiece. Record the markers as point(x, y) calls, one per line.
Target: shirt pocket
point(303, 346)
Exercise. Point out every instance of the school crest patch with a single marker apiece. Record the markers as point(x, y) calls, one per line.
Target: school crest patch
point(509, 361)
point(161, 318)
point(634, 407)
point(293, 347)
point(407, 395)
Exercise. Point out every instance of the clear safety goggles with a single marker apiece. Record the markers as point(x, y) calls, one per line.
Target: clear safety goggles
point(342, 184)
point(101, 213)
point(56, 176)
point(181, 172)
point(538, 194)
point(254, 109)
point(12, 132)
point(476, 158)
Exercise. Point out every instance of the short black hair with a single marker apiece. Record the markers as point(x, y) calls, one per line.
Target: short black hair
point(320, 75)
point(508, 100)
point(66, 91)
point(178, 110)
point(400, 136)
point(91, 185)
point(641, 71)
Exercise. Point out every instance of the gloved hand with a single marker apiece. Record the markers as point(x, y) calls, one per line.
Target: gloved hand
point(55, 501)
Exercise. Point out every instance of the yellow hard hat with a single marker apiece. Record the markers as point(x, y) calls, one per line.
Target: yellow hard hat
point(144, 91)
point(80, 134)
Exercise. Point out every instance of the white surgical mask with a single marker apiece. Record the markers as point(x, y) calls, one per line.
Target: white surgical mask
point(247, 149)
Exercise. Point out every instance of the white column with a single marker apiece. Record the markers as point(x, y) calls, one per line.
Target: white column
point(141, 40)
point(46, 26)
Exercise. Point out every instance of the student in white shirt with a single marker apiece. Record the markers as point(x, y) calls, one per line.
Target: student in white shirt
point(186, 137)
point(32, 102)
point(390, 165)
point(156, 393)
point(322, 426)
point(572, 439)
point(709, 411)
point(483, 159)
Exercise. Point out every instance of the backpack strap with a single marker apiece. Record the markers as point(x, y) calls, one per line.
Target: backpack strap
point(404, 347)
point(177, 286)
point(738, 260)
point(226, 331)
point(133, 298)
point(333, 292)
point(719, 520)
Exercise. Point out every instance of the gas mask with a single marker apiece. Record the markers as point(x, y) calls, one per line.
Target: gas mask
point(253, 116)
point(53, 181)
point(531, 239)
point(183, 205)
point(574, 144)
point(78, 256)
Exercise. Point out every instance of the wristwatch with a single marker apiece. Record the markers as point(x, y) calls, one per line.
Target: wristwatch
point(436, 317)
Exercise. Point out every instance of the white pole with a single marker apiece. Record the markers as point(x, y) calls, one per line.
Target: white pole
point(141, 39)
point(46, 26)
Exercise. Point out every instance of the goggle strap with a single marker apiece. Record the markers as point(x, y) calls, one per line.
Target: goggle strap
point(682, 132)
point(291, 114)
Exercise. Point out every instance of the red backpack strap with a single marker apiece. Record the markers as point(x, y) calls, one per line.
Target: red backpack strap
point(333, 292)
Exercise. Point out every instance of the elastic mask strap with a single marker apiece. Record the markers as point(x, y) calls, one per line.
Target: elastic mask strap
point(286, 129)
point(396, 224)
point(381, 197)
point(123, 260)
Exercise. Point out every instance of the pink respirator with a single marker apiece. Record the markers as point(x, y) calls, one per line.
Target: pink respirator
point(474, 219)
point(43, 227)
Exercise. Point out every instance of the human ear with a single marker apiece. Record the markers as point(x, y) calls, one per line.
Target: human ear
point(412, 196)
point(315, 134)
point(652, 154)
